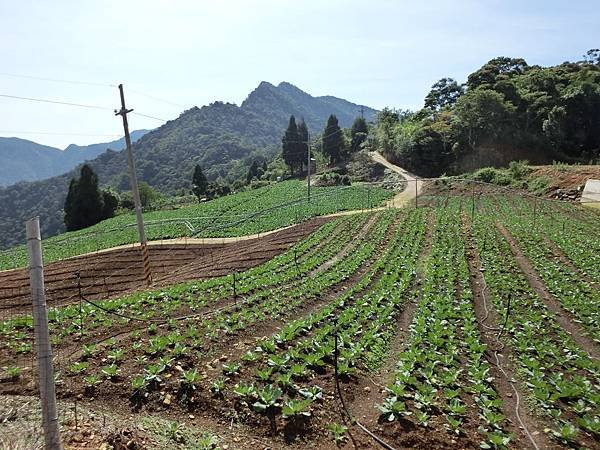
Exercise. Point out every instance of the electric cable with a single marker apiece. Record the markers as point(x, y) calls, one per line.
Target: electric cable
point(57, 102)
point(53, 133)
point(57, 80)
point(148, 116)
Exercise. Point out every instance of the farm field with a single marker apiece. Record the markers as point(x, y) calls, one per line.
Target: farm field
point(111, 273)
point(464, 323)
point(245, 213)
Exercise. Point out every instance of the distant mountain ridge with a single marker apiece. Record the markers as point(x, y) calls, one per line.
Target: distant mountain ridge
point(224, 138)
point(25, 160)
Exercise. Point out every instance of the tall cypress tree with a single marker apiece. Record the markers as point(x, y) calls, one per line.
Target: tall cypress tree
point(290, 145)
point(84, 206)
point(71, 221)
point(302, 144)
point(199, 182)
point(252, 172)
point(334, 145)
point(359, 133)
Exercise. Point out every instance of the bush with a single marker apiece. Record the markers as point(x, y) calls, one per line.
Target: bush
point(493, 176)
point(332, 179)
point(539, 185)
point(486, 174)
point(519, 169)
point(255, 184)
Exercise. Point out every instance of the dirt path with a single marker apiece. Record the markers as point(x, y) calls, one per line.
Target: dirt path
point(564, 319)
point(413, 188)
point(500, 356)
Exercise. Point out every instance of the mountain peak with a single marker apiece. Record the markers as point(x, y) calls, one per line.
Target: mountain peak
point(291, 89)
point(264, 85)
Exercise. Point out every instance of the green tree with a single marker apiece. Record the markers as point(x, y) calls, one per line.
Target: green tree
point(253, 172)
point(592, 56)
point(290, 145)
point(83, 206)
point(484, 114)
point(110, 202)
point(147, 194)
point(443, 93)
point(199, 182)
point(573, 126)
point(303, 144)
point(70, 218)
point(358, 132)
point(334, 145)
point(501, 68)
point(387, 121)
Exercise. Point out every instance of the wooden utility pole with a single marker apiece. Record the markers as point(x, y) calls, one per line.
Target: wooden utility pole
point(134, 187)
point(416, 194)
point(42, 336)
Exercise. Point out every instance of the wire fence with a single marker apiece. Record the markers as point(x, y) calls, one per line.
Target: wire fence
point(84, 294)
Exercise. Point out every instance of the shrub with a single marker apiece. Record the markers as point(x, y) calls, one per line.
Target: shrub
point(539, 185)
point(486, 174)
point(519, 169)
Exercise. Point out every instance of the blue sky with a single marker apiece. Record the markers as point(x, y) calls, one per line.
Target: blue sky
point(378, 52)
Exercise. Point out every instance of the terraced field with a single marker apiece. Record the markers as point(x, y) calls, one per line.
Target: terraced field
point(454, 325)
point(250, 212)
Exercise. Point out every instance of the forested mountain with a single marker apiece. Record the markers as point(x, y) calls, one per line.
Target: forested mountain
point(223, 138)
point(23, 160)
point(506, 110)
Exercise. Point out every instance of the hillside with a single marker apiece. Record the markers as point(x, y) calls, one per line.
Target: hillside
point(23, 160)
point(285, 202)
point(507, 110)
point(224, 138)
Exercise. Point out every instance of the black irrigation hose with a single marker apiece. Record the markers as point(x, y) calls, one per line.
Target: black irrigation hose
point(124, 316)
point(499, 365)
point(506, 316)
point(339, 393)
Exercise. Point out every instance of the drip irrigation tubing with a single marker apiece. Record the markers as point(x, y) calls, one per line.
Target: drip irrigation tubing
point(353, 420)
point(498, 363)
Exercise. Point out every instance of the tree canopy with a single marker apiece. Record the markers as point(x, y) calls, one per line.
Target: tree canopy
point(358, 133)
point(85, 204)
point(199, 182)
point(334, 145)
point(507, 107)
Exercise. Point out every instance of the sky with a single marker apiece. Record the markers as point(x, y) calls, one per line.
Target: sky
point(171, 55)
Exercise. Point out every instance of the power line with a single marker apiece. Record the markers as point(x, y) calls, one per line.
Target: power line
point(149, 117)
point(57, 80)
point(60, 133)
point(157, 98)
point(80, 105)
point(42, 100)
point(92, 83)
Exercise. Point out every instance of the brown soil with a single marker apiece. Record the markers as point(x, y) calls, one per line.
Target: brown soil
point(499, 356)
point(374, 386)
point(110, 274)
point(371, 391)
point(246, 340)
point(570, 177)
point(564, 318)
